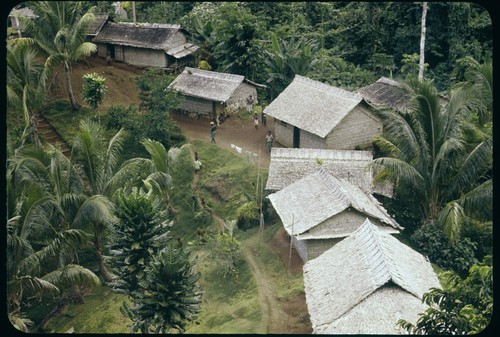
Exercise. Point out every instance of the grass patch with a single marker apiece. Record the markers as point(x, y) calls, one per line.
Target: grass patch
point(100, 313)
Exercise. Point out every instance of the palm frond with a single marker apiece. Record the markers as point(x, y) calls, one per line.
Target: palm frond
point(451, 217)
point(478, 202)
point(71, 275)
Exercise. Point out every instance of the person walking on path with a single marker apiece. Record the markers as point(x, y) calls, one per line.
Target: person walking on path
point(213, 129)
point(197, 163)
point(256, 121)
point(197, 166)
point(264, 119)
point(269, 141)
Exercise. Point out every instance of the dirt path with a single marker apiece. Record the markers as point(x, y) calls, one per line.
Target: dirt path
point(273, 315)
point(234, 132)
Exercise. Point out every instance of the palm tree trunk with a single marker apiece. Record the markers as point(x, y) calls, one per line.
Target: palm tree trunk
point(69, 87)
point(102, 266)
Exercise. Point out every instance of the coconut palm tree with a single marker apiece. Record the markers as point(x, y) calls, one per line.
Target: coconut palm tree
point(59, 31)
point(287, 58)
point(58, 202)
point(41, 247)
point(154, 174)
point(26, 81)
point(427, 156)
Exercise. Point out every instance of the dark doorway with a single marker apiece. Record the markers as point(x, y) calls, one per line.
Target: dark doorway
point(296, 137)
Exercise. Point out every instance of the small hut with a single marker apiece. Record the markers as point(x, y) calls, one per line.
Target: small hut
point(386, 92)
point(14, 19)
point(320, 209)
point(146, 45)
point(366, 283)
point(208, 94)
point(311, 114)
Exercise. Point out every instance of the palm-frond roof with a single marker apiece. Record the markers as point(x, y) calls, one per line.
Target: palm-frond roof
point(317, 198)
point(99, 22)
point(290, 164)
point(386, 92)
point(206, 84)
point(144, 35)
point(365, 283)
point(313, 106)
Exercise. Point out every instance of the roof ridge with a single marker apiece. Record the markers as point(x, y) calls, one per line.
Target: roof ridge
point(329, 88)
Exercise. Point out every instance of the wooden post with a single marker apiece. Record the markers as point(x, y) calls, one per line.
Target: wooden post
point(291, 245)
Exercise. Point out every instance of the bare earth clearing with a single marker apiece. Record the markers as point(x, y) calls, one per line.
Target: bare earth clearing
point(235, 134)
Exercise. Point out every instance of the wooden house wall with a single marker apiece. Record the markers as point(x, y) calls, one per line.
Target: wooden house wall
point(316, 247)
point(356, 131)
point(283, 133)
point(102, 49)
point(347, 221)
point(311, 141)
point(144, 57)
point(196, 105)
point(238, 99)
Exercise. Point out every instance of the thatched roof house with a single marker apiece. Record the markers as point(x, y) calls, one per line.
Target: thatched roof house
point(366, 283)
point(386, 92)
point(311, 114)
point(15, 17)
point(96, 26)
point(288, 165)
point(209, 93)
point(148, 45)
point(320, 209)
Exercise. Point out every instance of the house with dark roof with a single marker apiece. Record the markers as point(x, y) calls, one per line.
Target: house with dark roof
point(146, 45)
point(208, 94)
point(386, 92)
point(312, 114)
point(366, 283)
point(321, 209)
point(95, 27)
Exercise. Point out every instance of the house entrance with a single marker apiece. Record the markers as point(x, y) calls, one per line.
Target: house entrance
point(296, 137)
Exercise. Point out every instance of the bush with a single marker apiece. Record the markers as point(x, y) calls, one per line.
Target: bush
point(432, 242)
point(248, 215)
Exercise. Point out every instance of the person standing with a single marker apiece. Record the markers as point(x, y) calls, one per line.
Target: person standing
point(269, 141)
point(263, 117)
point(197, 166)
point(256, 121)
point(250, 104)
point(213, 129)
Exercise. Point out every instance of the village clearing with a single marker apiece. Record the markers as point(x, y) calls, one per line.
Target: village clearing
point(269, 294)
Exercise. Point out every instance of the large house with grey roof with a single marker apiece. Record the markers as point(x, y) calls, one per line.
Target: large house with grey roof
point(312, 114)
point(146, 45)
point(319, 210)
point(208, 94)
point(366, 283)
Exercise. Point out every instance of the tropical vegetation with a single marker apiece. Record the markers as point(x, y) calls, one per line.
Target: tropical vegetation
point(128, 220)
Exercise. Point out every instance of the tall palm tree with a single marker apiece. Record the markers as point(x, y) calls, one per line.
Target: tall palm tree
point(427, 156)
point(59, 31)
point(26, 81)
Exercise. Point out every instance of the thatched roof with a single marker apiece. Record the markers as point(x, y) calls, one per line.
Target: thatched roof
point(317, 198)
point(288, 165)
point(386, 92)
point(312, 106)
point(366, 283)
point(23, 12)
point(183, 50)
point(99, 22)
point(206, 84)
point(145, 35)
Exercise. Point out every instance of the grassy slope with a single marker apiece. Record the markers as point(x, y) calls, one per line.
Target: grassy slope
point(228, 307)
